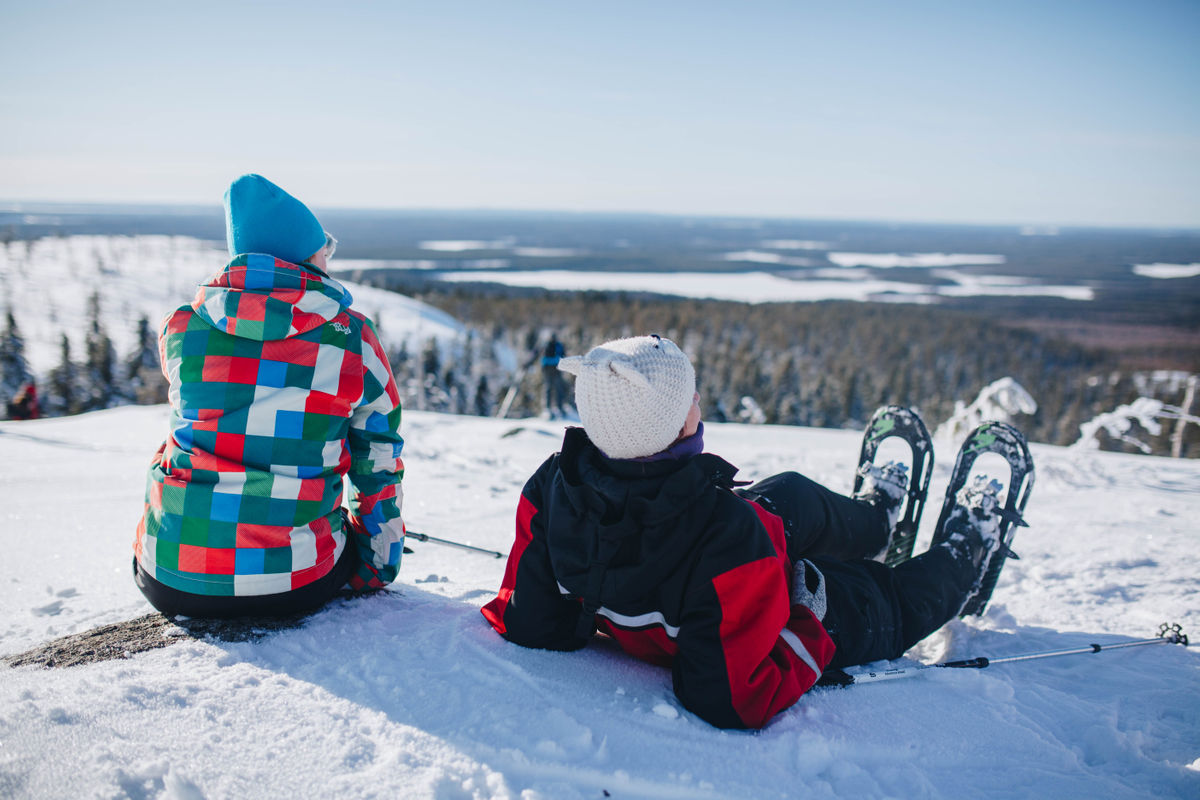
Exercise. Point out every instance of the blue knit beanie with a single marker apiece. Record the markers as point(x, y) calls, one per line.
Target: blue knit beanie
point(262, 218)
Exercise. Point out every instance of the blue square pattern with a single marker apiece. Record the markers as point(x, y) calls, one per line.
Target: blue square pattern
point(225, 507)
point(272, 373)
point(183, 435)
point(258, 277)
point(376, 422)
point(249, 561)
point(289, 424)
point(195, 343)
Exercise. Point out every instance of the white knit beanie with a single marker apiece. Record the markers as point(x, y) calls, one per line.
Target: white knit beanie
point(633, 395)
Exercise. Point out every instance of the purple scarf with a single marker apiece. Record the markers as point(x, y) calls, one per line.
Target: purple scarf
point(684, 448)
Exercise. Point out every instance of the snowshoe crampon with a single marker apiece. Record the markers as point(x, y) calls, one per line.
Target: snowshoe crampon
point(1006, 441)
point(903, 423)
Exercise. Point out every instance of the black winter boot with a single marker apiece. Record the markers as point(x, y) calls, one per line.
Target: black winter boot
point(884, 487)
point(973, 530)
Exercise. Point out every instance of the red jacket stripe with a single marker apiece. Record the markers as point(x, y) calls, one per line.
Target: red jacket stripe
point(494, 611)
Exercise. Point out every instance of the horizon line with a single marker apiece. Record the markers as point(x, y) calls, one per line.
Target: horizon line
point(132, 207)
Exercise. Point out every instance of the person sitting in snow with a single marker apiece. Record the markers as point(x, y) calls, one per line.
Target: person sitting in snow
point(278, 391)
point(24, 404)
point(747, 594)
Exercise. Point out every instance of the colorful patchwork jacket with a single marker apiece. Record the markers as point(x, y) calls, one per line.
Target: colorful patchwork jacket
point(278, 391)
point(666, 560)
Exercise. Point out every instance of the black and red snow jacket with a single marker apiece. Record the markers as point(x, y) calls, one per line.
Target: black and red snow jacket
point(668, 561)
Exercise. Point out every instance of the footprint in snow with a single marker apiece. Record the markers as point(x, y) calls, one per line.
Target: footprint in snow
point(50, 609)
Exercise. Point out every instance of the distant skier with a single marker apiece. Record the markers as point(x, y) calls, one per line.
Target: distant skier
point(555, 384)
point(24, 404)
point(747, 594)
point(279, 391)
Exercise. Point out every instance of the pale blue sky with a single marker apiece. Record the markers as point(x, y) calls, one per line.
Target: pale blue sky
point(1011, 112)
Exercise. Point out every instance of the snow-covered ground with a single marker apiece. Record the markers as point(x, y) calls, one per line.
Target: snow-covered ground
point(47, 283)
point(894, 260)
point(1166, 270)
point(410, 694)
point(768, 287)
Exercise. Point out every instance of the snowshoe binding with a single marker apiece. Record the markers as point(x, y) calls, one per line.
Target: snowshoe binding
point(888, 485)
point(977, 507)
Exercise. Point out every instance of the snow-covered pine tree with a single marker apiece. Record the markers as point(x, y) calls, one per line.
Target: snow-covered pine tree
point(143, 375)
point(14, 369)
point(483, 397)
point(99, 367)
point(62, 394)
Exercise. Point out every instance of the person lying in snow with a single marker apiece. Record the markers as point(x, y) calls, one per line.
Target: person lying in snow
point(278, 391)
point(747, 594)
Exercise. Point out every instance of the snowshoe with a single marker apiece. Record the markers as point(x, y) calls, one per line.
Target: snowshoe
point(974, 503)
point(888, 422)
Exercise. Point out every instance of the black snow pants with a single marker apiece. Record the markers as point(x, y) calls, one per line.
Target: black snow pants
point(873, 611)
point(172, 602)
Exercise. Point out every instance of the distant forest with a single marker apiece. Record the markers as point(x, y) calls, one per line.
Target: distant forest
point(819, 364)
point(813, 364)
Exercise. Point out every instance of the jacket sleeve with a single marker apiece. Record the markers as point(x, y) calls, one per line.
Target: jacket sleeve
point(745, 653)
point(529, 609)
point(376, 470)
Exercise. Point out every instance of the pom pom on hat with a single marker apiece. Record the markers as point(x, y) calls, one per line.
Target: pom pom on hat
point(262, 218)
point(633, 395)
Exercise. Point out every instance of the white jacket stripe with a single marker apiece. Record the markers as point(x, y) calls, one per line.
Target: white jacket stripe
point(639, 621)
point(793, 641)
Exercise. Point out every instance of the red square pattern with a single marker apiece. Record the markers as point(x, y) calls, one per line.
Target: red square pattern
point(321, 403)
point(312, 489)
point(216, 368)
point(304, 321)
point(209, 560)
point(249, 535)
point(204, 460)
point(303, 577)
point(350, 378)
point(231, 446)
point(291, 351)
point(178, 478)
point(252, 308)
point(230, 369)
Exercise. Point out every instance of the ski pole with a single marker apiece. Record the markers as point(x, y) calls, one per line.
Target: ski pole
point(1167, 634)
point(425, 537)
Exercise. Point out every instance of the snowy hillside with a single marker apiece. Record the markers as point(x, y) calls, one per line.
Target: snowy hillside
point(47, 283)
point(409, 694)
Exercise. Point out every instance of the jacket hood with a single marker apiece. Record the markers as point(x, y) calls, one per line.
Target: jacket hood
point(641, 518)
point(264, 298)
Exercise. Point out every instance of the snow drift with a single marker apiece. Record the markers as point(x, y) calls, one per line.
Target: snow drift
point(410, 694)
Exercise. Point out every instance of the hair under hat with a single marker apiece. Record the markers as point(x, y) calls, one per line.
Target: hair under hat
point(262, 218)
point(633, 395)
